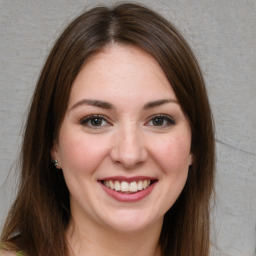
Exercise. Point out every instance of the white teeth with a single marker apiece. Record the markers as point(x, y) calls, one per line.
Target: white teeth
point(111, 184)
point(124, 186)
point(133, 186)
point(145, 183)
point(140, 186)
point(127, 187)
point(117, 186)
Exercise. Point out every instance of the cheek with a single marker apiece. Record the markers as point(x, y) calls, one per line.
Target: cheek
point(81, 153)
point(173, 155)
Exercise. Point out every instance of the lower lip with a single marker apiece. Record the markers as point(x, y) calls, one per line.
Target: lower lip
point(126, 197)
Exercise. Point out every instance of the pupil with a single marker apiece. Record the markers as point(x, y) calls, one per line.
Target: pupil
point(158, 121)
point(96, 121)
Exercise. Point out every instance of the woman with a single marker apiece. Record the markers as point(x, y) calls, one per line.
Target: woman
point(118, 151)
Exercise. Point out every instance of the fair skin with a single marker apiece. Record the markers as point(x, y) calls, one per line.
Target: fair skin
point(124, 149)
point(6, 253)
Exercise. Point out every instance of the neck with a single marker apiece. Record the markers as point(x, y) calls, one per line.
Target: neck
point(99, 241)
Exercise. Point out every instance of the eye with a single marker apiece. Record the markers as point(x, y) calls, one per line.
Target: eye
point(161, 121)
point(94, 121)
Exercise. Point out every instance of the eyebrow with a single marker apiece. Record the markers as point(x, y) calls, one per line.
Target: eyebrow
point(107, 105)
point(153, 104)
point(96, 103)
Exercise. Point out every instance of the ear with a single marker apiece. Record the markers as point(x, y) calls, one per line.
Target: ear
point(191, 159)
point(55, 154)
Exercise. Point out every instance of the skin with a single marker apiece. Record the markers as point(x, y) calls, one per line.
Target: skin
point(6, 253)
point(131, 138)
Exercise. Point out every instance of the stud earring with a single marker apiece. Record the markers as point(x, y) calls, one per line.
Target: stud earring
point(55, 162)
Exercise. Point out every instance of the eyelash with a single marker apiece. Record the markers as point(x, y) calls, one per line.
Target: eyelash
point(85, 121)
point(165, 121)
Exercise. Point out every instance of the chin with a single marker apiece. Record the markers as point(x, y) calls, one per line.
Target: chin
point(132, 222)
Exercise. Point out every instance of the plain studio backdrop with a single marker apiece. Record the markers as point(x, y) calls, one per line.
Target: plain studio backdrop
point(222, 34)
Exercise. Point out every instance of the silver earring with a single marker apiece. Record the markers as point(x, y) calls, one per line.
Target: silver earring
point(55, 162)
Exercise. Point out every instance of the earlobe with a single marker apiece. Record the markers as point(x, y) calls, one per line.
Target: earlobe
point(191, 158)
point(55, 156)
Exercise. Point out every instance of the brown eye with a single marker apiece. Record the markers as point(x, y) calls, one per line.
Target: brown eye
point(161, 121)
point(94, 121)
point(158, 121)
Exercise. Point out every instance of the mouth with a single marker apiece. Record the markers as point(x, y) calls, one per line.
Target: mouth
point(128, 187)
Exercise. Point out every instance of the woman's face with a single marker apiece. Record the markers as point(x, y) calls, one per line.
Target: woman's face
point(124, 144)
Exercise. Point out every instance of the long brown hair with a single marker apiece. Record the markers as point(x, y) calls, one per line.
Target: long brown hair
point(39, 216)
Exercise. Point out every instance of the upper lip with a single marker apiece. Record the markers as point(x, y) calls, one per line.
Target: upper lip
point(129, 179)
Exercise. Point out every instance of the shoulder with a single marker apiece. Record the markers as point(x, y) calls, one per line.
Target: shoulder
point(4, 252)
point(7, 253)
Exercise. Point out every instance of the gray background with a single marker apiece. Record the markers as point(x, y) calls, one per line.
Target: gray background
point(222, 34)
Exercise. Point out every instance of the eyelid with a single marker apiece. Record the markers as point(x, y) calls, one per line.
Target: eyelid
point(171, 121)
point(166, 118)
point(86, 119)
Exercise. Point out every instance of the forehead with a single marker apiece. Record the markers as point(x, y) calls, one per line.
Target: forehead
point(123, 72)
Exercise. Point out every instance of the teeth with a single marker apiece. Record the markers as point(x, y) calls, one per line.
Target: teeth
point(145, 184)
point(140, 185)
point(117, 186)
point(124, 186)
point(127, 187)
point(111, 184)
point(133, 186)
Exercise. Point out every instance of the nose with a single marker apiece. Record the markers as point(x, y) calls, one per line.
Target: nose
point(128, 148)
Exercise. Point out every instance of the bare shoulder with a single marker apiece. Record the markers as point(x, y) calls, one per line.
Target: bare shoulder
point(7, 253)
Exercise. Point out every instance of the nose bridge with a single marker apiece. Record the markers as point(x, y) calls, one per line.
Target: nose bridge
point(129, 149)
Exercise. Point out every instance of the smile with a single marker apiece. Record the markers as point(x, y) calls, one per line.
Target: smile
point(127, 187)
point(130, 189)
